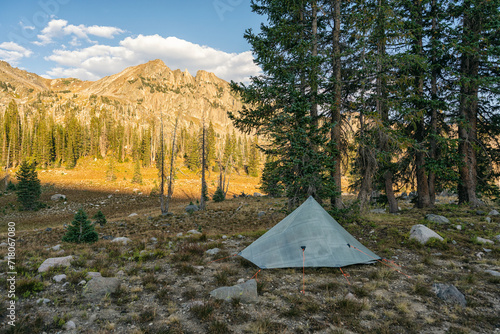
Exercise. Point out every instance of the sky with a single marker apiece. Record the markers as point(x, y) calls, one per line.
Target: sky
point(91, 39)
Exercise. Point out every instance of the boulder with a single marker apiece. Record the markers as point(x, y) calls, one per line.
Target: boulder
point(488, 219)
point(55, 261)
point(59, 278)
point(246, 292)
point(437, 219)
point(56, 248)
point(212, 251)
point(133, 214)
point(261, 214)
point(58, 197)
point(484, 241)
point(70, 325)
point(377, 211)
point(493, 272)
point(493, 213)
point(192, 208)
point(193, 232)
point(257, 195)
point(123, 240)
point(449, 293)
point(93, 274)
point(422, 234)
point(99, 287)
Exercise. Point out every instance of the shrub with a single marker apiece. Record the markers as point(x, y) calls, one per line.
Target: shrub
point(81, 230)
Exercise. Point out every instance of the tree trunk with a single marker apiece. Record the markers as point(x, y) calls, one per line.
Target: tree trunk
point(336, 200)
point(163, 206)
point(203, 167)
point(468, 109)
point(170, 190)
point(434, 115)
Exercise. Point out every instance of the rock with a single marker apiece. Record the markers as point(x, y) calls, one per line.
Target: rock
point(246, 292)
point(59, 278)
point(484, 241)
point(493, 213)
point(224, 237)
point(497, 238)
point(241, 281)
point(107, 237)
point(422, 234)
point(99, 287)
point(55, 261)
point(56, 247)
point(133, 214)
point(480, 212)
point(257, 195)
point(153, 239)
point(48, 229)
point(212, 251)
point(459, 227)
point(179, 234)
point(437, 219)
point(193, 232)
point(43, 300)
point(493, 272)
point(261, 214)
point(70, 325)
point(488, 220)
point(449, 293)
point(192, 208)
point(58, 197)
point(377, 211)
point(123, 240)
point(93, 274)
point(82, 282)
point(3, 244)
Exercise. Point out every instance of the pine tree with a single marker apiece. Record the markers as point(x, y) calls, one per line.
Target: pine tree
point(81, 230)
point(137, 178)
point(111, 172)
point(28, 186)
point(253, 160)
point(100, 218)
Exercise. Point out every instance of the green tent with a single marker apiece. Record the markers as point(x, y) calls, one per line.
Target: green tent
point(327, 244)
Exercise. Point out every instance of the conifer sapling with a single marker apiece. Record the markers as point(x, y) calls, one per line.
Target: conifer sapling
point(81, 230)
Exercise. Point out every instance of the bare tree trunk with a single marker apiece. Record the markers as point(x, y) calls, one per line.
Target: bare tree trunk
point(163, 206)
point(170, 190)
point(203, 167)
point(336, 136)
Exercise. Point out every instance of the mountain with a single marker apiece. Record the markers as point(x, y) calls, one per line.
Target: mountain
point(137, 95)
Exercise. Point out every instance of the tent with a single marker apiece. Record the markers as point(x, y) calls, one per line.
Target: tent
point(327, 244)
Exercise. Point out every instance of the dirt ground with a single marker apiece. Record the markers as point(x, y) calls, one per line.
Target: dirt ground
point(166, 277)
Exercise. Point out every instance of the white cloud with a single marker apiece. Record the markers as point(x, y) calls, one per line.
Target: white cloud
point(60, 28)
point(12, 52)
point(101, 60)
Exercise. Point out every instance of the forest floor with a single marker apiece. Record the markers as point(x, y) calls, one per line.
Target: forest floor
point(166, 277)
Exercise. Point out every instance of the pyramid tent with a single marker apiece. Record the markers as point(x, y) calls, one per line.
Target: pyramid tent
point(327, 243)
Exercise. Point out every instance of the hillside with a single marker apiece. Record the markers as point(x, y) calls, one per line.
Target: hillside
point(134, 94)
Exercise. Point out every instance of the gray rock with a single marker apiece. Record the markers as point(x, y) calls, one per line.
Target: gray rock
point(449, 293)
point(48, 229)
point(246, 292)
point(192, 208)
point(123, 240)
point(493, 272)
point(484, 241)
point(212, 251)
point(58, 197)
point(55, 261)
point(193, 232)
point(98, 287)
point(43, 300)
point(133, 214)
point(493, 213)
point(422, 234)
point(488, 220)
point(4, 244)
point(82, 282)
point(497, 238)
point(480, 212)
point(459, 227)
point(257, 195)
point(70, 325)
point(261, 214)
point(437, 219)
point(377, 211)
point(153, 239)
point(56, 247)
point(93, 274)
point(59, 278)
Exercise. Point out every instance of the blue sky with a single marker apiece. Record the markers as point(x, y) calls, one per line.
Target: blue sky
point(91, 39)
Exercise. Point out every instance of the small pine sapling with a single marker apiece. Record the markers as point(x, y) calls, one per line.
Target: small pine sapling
point(28, 186)
point(81, 230)
point(219, 195)
point(100, 218)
